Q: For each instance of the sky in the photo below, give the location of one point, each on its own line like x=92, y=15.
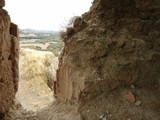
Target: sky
x=45, y=14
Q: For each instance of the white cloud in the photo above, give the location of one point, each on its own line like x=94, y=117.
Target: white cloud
x=45, y=14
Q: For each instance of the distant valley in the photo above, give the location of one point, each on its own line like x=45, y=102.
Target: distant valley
x=42, y=40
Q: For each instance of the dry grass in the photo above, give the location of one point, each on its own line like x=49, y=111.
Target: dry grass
x=37, y=72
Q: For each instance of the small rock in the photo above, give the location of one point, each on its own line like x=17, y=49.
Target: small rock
x=102, y=117
x=133, y=87
x=80, y=40
x=138, y=103
x=129, y=96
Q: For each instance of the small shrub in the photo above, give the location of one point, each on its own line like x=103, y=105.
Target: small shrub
x=62, y=35
x=70, y=31
x=69, y=27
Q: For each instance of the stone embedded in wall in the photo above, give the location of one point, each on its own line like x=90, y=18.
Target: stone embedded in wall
x=2, y=3
x=14, y=30
x=8, y=61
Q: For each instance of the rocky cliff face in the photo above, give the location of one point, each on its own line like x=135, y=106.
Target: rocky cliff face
x=115, y=45
x=8, y=60
x=111, y=61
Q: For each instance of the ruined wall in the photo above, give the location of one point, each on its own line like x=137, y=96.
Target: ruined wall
x=8, y=60
x=114, y=45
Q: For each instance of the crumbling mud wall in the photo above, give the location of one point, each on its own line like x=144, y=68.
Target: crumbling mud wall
x=8, y=60
x=115, y=44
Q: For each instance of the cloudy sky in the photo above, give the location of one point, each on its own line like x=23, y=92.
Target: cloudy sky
x=45, y=14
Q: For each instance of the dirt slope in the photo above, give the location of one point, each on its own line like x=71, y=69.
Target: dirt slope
x=37, y=74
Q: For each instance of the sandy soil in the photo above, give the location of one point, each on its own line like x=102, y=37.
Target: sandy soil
x=33, y=92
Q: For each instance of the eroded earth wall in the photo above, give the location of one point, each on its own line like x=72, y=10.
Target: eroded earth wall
x=8, y=60
x=116, y=44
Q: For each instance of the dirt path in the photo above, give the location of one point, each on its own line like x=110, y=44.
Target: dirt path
x=35, y=74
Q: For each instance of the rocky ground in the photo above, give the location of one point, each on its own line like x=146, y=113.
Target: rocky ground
x=123, y=104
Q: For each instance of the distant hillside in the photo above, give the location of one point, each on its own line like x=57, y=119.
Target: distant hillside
x=27, y=34
x=28, y=30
